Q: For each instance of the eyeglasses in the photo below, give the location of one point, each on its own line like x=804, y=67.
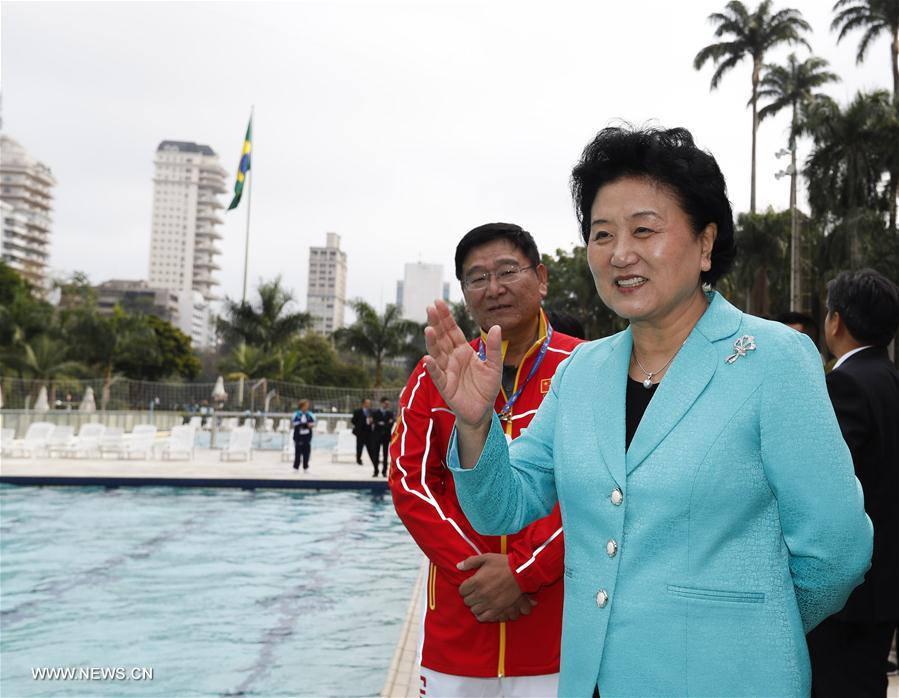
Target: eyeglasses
x=506, y=276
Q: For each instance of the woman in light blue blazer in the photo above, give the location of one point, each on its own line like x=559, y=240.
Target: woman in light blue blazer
x=711, y=512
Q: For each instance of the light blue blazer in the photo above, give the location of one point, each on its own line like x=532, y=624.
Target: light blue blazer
x=696, y=561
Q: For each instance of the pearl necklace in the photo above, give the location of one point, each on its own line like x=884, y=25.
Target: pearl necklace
x=647, y=383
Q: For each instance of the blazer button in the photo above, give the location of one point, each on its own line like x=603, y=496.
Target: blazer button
x=611, y=548
x=617, y=497
x=602, y=598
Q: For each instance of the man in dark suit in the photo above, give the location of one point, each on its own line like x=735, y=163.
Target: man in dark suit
x=363, y=421
x=849, y=650
x=383, y=427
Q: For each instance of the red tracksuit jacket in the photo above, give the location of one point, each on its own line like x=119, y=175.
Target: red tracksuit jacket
x=424, y=496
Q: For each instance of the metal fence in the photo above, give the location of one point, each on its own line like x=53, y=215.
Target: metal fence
x=122, y=394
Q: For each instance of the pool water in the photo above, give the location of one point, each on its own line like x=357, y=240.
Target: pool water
x=218, y=592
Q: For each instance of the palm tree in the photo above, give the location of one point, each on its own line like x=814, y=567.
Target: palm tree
x=376, y=336
x=876, y=17
x=848, y=159
x=44, y=359
x=750, y=35
x=761, y=239
x=792, y=86
x=267, y=324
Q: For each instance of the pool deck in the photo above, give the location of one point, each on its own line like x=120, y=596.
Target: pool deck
x=264, y=470
x=403, y=677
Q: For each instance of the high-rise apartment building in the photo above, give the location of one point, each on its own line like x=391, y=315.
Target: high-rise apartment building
x=183, y=251
x=26, y=192
x=326, y=289
x=421, y=285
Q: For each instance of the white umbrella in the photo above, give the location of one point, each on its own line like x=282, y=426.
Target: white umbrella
x=41, y=404
x=88, y=404
x=218, y=392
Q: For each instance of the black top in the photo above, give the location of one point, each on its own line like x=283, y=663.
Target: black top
x=635, y=404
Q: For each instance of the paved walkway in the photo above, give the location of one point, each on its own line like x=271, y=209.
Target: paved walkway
x=403, y=675
x=265, y=469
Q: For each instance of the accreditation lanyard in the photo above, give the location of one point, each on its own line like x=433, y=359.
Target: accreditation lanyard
x=506, y=411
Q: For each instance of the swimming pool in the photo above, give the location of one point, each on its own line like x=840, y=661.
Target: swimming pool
x=218, y=592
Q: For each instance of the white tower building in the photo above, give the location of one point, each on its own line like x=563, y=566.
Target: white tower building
x=183, y=251
x=421, y=285
x=326, y=288
x=26, y=192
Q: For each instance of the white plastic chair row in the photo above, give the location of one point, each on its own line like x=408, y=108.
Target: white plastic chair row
x=240, y=445
x=92, y=440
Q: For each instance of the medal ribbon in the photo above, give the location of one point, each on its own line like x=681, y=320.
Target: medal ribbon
x=482, y=355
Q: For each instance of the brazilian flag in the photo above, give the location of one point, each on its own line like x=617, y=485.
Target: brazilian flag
x=244, y=166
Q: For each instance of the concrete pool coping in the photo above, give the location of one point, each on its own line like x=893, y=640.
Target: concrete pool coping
x=264, y=470
x=403, y=677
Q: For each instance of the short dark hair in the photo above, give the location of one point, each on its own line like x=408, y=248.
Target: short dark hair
x=792, y=317
x=489, y=232
x=670, y=158
x=566, y=323
x=868, y=304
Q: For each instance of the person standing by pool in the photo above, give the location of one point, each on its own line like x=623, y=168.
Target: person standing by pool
x=383, y=427
x=303, y=421
x=362, y=429
x=483, y=633
x=712, y=516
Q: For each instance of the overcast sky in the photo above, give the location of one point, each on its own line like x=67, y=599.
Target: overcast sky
x=398, y=125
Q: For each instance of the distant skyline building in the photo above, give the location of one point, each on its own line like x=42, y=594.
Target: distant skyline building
x=421, y=285
x=137, y=296
x=326, y=287
x=26, y=191
x=187, y=180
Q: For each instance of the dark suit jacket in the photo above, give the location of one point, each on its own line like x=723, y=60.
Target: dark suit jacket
x=361, y=427
x=865, y=395
x=383, y=423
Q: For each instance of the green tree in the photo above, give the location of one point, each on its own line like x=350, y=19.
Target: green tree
x=793, y=86
x=463, y=319
x=22, y=315
x=762, y=240
x=167, y=353
x=572, y=290
x=246, y=361
x=317, y=363
x=849, y=158
x=45, y=360
x=376, y=337
x=268, y=324
x=875, y=17
x=750, y=35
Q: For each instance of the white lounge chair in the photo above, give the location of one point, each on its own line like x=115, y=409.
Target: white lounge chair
x=240, y=445
x=112, y=440
x=228, y=424
x=61, y=439
x=250, y=422
x=339, y=426
x=7, y=436
x=287, y=452
x=179, y=445
x=138, y=443
x=196, y=423
x=36, y=439
x=321, y=426
x=268, y=425
x=283, y=425
x=87, y=443
x=346, y=446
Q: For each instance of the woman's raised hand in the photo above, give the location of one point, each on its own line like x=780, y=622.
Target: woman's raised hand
x=468, y=385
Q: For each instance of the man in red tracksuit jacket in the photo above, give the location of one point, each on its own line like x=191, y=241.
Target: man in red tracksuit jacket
x=493, y=612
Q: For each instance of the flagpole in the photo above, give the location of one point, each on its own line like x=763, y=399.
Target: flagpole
x=246, y=249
